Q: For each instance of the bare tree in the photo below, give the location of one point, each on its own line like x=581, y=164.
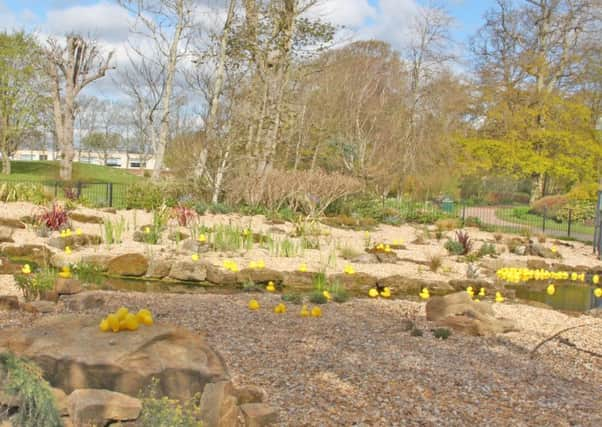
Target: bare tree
x=165, y=24
x=71, y=68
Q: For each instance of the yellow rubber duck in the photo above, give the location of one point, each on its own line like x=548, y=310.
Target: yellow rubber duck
x=303, y=268
x=26, y=269
x=327, y=295
x=270, y=287
x=131, y=322
x=387, y=248
x=280, y=309
x=470, y=291
x=386, y=293
x=554, y=249
x=253, y=305
x=195, y=257
x=121, y=313
x=349, y=269
x=304, y=311
x=373, y=293
x=146, y=230
x=573, y=276
x=79, y=232
x=424, y=294
x=113, y=322
x=202, y=238
x=316, y=312
x=260, y=264
x=482, y=292
x=581, y=277
x=67, y=250
x=551, y=289
x=598, y=292
x=498, y=297
x=104, y=325
x=65, y=272
x=252, y=265
x=145, y=317
x=595, y=279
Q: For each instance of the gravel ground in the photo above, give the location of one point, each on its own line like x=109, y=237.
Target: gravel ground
x=357, y=365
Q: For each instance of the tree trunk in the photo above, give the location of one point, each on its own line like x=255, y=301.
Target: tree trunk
x=5, y=162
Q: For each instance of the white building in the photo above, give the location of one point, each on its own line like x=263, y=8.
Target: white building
x=116, y=159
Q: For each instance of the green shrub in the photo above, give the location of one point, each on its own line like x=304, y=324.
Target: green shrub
x=164, y=412
x=434, y=262
x=441, y=333
x=23, y=192
x=23, y=380
x=113, y=231
x=220, y=208
x=317, y=297
x=339, y=293
x=454, y=247
x=551, y=205
x=145, y=195
x=487, y=249
x=32, y=285
x=293, y=298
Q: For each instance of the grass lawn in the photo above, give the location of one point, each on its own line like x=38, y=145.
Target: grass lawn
x=535, y=221
x=49, y=171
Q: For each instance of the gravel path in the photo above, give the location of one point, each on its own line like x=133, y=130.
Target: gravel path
x=357, y=365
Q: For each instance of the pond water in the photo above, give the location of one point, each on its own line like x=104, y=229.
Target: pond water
x=568, y=296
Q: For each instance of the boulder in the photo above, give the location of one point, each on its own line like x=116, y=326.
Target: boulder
x=64, y=286
x=188, y=271
x=460, y=312
x=32, y=252
x=537, y=264
x=249, y=394
x=365, y=258
x=258, y=275
x=410, y=285
x=542, y=251
x=259, y=414
x=220, y=276
x=60, y=397
x=9, y=302
x=50, y=295
x=85, y=217
x=41, y=306
x=12, y=223
x=128, y=265
x=6, y=234
x=476, y=284
x=298, y=279
x=74, y=241
x=8, y=267
x=354, y=281
x=177, y=236
x=84, y=301
x=193, y=245
x=99, y=407
x=218, y=406
x=101, y=261
x=158, y=268
x=73, y=354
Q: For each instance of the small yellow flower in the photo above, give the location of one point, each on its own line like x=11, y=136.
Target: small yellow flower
x=195, y=257
x=26, y=269
x=146, y=230
x=349, y=269
x=202, y=238
x=246, y=232
x=79, y=232
x=327, y=295
x=303, y=268
x=67, y=250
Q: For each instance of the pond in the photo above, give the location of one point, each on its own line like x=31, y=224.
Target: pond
x=568, y=296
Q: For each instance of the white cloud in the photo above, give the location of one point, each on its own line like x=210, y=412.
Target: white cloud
x=348, y=13
x=106, y=21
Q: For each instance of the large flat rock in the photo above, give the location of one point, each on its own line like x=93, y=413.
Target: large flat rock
x=73, y=354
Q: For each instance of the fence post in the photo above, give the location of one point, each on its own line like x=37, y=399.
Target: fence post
x=79, y=189
x=543, y=224
x=56, y=189
x=463, y=213
x=570, y=220
x=110, y=194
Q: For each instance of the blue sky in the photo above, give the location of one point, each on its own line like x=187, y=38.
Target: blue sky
x=468, y=13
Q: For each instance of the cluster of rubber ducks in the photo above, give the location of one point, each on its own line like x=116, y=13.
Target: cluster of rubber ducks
x=518, y=275
x=123, y=320
x=66, y=232
x=382, y=247
x=257, y=265
x=384, y=292
x=499, y=298
x=231, y=265
x=281, y=309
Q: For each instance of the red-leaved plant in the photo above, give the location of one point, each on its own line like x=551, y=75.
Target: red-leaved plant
x=183, y=215
x=53, y=218
x=464, y=240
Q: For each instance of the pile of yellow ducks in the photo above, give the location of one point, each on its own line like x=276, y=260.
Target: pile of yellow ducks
x=231, y=265
x=381, y=247
x=281, y=309
x=518, y=275
x=257, y=265
x=385, y=293
x=123, y=320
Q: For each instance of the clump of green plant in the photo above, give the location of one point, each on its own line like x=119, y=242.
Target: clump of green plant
x=434, y=262
x=113, y=231
x=285, y=248
x=461, y=245
x=226, y=237
x=487, y=249
x=33, y=284
x=152, y=233
x=348, y=253
x=23, y=380
x=338, y=292
x=441, y=333
x=27, y=192
x=318, y=297
x=165, y=412
x=88, y=273
x=311, y=242
x=293, y=298
x=251, y=286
